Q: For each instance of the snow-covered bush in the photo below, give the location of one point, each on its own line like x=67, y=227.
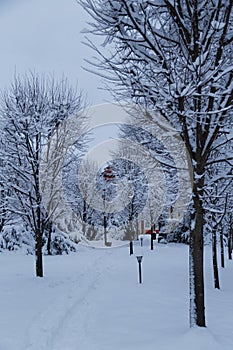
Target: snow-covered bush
x=16, y=237
x=59, y=244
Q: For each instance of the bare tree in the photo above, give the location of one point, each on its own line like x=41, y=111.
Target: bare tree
x=81, y=193
x=217, y=201
x=31, y=110
x=174, y=57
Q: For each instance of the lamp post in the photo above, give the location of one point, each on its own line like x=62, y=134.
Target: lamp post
x=139, y=259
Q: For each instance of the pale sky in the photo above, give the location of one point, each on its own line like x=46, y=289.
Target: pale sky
x=45, y=36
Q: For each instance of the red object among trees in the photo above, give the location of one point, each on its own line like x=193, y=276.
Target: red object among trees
x=152, y=233
x=148, y=232
x=108, y=173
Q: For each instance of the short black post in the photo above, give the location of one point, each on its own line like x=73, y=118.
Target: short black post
x=151, y=242
x=140, y=273
x=130, y=247
x=141, y=239
x=139, y=259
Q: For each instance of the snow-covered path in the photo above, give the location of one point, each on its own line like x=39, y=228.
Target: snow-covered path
x=92, y=301
x=49, y=327
x=35, y=309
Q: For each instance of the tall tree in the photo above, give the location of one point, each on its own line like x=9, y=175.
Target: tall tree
x=80, y=191
x=31, y=109
x=174, y=56
x=217, y=190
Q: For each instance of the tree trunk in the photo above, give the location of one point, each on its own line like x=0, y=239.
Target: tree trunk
x=39, y=224
x=39, y=257
x=196, y=277
x=222, y=248
x=105, y=230
x=50, y=226
x=137, y=229
x=229, y=245
x=215, y=259
x=84, y=218
x=231, y=234
x=131, y=248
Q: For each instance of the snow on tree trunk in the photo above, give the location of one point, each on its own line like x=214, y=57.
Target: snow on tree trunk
x=215, y=258
x=197, y=299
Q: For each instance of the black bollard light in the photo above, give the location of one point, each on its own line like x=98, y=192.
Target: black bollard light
x=139, y=259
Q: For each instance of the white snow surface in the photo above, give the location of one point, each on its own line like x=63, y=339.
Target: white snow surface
x=91, y=300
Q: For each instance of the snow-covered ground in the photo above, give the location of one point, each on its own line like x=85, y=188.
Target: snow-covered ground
x=91, y=300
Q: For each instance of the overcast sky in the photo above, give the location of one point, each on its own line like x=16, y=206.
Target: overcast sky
x=45, y=36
